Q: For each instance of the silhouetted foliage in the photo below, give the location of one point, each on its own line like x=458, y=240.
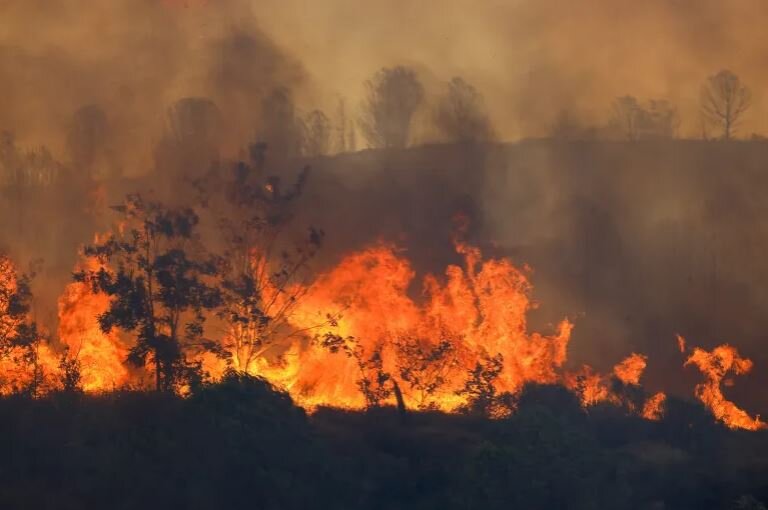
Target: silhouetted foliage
x=393, y=95
x=19, y=337
x=424, y=367
x=261, y=273
x=70, y=373
x=724, y=100
x=157, y=288
x=375, y=383
x=480, y=392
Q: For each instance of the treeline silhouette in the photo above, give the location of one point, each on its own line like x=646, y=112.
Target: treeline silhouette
x=240, y=442
x=395, y=102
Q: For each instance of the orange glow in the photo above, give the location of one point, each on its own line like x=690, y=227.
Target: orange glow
x=631, y=369
x=653, y=409
x=102, y=356
x=474, y=311
x=715, y=365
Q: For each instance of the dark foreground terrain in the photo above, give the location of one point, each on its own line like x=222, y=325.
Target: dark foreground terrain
x=241, y=444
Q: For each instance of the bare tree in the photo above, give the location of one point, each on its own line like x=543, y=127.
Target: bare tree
x=461, y=114
x=724, y=99
x=393, y=97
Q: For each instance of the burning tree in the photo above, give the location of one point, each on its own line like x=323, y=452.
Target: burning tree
x=19, y=337
x=425, y=367
x=261, y=276
x=393, y=97
x=374, y=382
x=158, y=290
x=482, y=396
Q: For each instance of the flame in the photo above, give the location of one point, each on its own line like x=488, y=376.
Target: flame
x=20, y=368
x=101, y=356
x=479, y=309
x=653, y=409
x=593, y=387
x=715, y=365
x=631, y=369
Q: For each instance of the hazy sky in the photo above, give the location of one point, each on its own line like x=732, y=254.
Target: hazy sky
x=531, y=59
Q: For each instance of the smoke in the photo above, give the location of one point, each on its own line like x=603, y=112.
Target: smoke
x=134, y=59
x=532, y=59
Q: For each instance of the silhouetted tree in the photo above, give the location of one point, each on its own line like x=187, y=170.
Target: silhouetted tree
x=16, y=328
x=480, y=392
x=393, y=96
x=19, y=337
x=317, y=133
x=724, y=99
x=157, y=288
x=375, y=383
x=70, y=376
x=425, y=367
x=261, y=274
x=461, y=115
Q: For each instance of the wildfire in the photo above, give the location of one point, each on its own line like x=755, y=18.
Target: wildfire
x=715, y=365
x=22, y=365
x=631, y=369
x=101, y=356
x=428, y=346
x=361, y=336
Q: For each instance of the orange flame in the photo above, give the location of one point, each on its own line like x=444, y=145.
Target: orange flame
x=631, y=369
x=101, y=355
x=653, y=409
x=715, y=365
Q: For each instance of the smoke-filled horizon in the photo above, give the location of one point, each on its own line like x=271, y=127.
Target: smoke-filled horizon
x=532, y=61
